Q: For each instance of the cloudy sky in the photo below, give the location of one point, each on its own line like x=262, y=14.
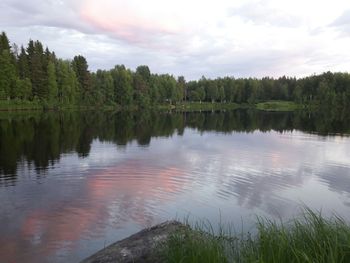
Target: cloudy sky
x=238, y=38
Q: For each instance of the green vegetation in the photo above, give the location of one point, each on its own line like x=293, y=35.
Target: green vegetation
x=201, y=106
x=278, y=106
x=35, y=74
x=20, y=105
x=310, y=238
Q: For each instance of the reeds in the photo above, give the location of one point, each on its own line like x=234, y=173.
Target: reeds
x=308, y=238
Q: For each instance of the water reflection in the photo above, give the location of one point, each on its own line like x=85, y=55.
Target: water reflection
x=71, y=183
x=41, y=139
x=337, y=178
x=105, y=196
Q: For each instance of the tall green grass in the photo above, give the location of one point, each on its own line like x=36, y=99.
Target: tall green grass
x=14, y=105
x=277, y=105
x=308, y=238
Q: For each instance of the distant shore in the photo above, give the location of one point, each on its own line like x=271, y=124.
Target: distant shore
x=9, y=106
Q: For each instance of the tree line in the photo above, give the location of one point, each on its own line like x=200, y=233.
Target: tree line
x=34, y=73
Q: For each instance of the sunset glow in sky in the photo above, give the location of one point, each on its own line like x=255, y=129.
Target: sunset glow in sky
x=191, y=38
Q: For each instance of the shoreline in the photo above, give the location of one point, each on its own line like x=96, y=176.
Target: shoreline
x=287, y=106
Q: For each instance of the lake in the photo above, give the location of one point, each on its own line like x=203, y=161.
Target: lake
x=72, y=183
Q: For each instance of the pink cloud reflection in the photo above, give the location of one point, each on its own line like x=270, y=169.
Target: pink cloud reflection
x=119, y=193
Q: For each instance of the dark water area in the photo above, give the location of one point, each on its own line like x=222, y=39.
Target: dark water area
x=74, y=182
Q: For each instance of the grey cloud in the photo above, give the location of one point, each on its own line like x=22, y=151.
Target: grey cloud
x=103, y=51
x=261, y=13
x=342, y=23
x=344, y=19
x=59, y=26
x=66, y=15
x=15, y=13
x=248, y=63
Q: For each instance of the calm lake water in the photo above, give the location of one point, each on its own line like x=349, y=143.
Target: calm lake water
x=72, y=183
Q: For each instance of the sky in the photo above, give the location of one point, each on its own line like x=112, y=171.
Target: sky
x=240, y=38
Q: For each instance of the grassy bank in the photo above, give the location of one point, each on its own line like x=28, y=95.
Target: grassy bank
x=207, y=106
x=202, y=106
x=23, y=105
x=19, y=105
x=310, y=238
x=277, y=105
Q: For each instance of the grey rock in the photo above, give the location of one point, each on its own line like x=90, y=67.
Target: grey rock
x=142, y=247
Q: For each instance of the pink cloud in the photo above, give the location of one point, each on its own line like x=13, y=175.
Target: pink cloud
x=125, y=23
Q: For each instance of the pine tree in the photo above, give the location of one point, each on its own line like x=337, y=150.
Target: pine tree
x=80, y=67
x=4, y=42
x=7, y=68
x=73, y=85
x=7, y=74
x=51, y=82
x=22, y=64
x=142, y=83
x=181, y=88
x=36, y=68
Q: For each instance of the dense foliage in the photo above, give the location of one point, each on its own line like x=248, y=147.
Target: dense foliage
x=36, y=74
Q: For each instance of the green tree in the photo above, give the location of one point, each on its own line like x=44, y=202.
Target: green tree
x=38, y=75
x=22, y=89
x=253, y=91
x=7, y=74
x=211, y=90
x=4, y=42
x=181, y=88
x=200, y=93
x=142, y=98
x=229, y=88
x=104, y=87
x=168, y=86
x=22, y=64
x=283, y=92
x=52, y=82
x=123, y=85
x=144, y=72
x=156, y=96
x=67, y=83
x=298, y=94
x=221, y=93
x=239, y=90
x=80, y=67
x=141, y=84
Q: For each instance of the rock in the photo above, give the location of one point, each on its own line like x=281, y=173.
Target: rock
x=138, y=248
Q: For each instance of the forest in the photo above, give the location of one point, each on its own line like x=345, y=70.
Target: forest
x=35, y=74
